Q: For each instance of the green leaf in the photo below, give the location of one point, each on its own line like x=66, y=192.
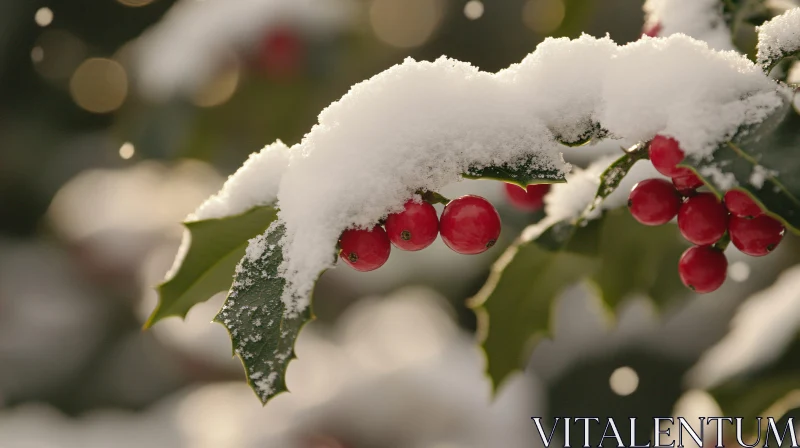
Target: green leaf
x=771, y=156
x=637, y=259
x=515, y=304
x=615, y=173
x=217, y=245
x=617, y=253
x=263, y=334
x=522, y=174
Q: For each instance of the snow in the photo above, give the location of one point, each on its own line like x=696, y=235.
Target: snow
x=568, y=201
x=779, y=37
x=196, y=38
x=420, y=125
x=255, y=183
x=679, y=87
x=760, y=174
x=761, y=330
x=700, y=19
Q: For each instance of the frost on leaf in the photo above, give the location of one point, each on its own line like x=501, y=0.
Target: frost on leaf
x=262, y=332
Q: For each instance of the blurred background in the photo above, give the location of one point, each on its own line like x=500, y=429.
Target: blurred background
x=119, y=117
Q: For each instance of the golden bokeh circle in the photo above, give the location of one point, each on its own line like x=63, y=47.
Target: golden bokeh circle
x=99, y=85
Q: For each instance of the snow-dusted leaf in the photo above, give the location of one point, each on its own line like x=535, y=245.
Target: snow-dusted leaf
x=763, y=164
x=263, y=333
x=216, y=246
x=779, y=39
x=522, y=174
x=620, y=255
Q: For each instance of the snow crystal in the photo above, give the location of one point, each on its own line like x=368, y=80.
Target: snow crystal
x=255, y=183
x=419, y=125
x=700, y=19
x=779, y=36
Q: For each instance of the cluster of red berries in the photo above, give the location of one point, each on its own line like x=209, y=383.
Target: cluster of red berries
x=468, y=225
x=702, y=218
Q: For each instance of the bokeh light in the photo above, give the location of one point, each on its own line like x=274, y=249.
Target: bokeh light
x=473, y=10
x=99, y=85
x=543, y=16
x=405, y=23
x=37, y=54
x=739, y=271
x=59, y=54
x=43, y=16
x=624, y=381
x=220, y=88
x=127, y=150
x=135, y=3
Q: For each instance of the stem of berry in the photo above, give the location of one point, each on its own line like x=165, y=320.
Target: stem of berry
x=433, y=197
x=723, y=242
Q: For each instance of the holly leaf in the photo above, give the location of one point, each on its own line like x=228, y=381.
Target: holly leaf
x=216, y=247
x=523, y=174
x=618, y=254
x=514, y=305
x=262, y=331
x=637, y=259
x=763, y=164
x=615, y=173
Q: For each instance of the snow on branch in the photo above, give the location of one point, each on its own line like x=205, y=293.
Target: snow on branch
x=421, y=125
x=779, y=38
x=255, y=183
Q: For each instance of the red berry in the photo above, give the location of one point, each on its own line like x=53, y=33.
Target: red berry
x=415, y=227
x=528, y=199
x=757, y=236
x=665, y=154
x=281, y=53
x=653, y=202
x=687, y=182
x=651, y=30
x=365, y=250
x=702, y=219
x=469, y=225
x=703, y=268
x=742, y=205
